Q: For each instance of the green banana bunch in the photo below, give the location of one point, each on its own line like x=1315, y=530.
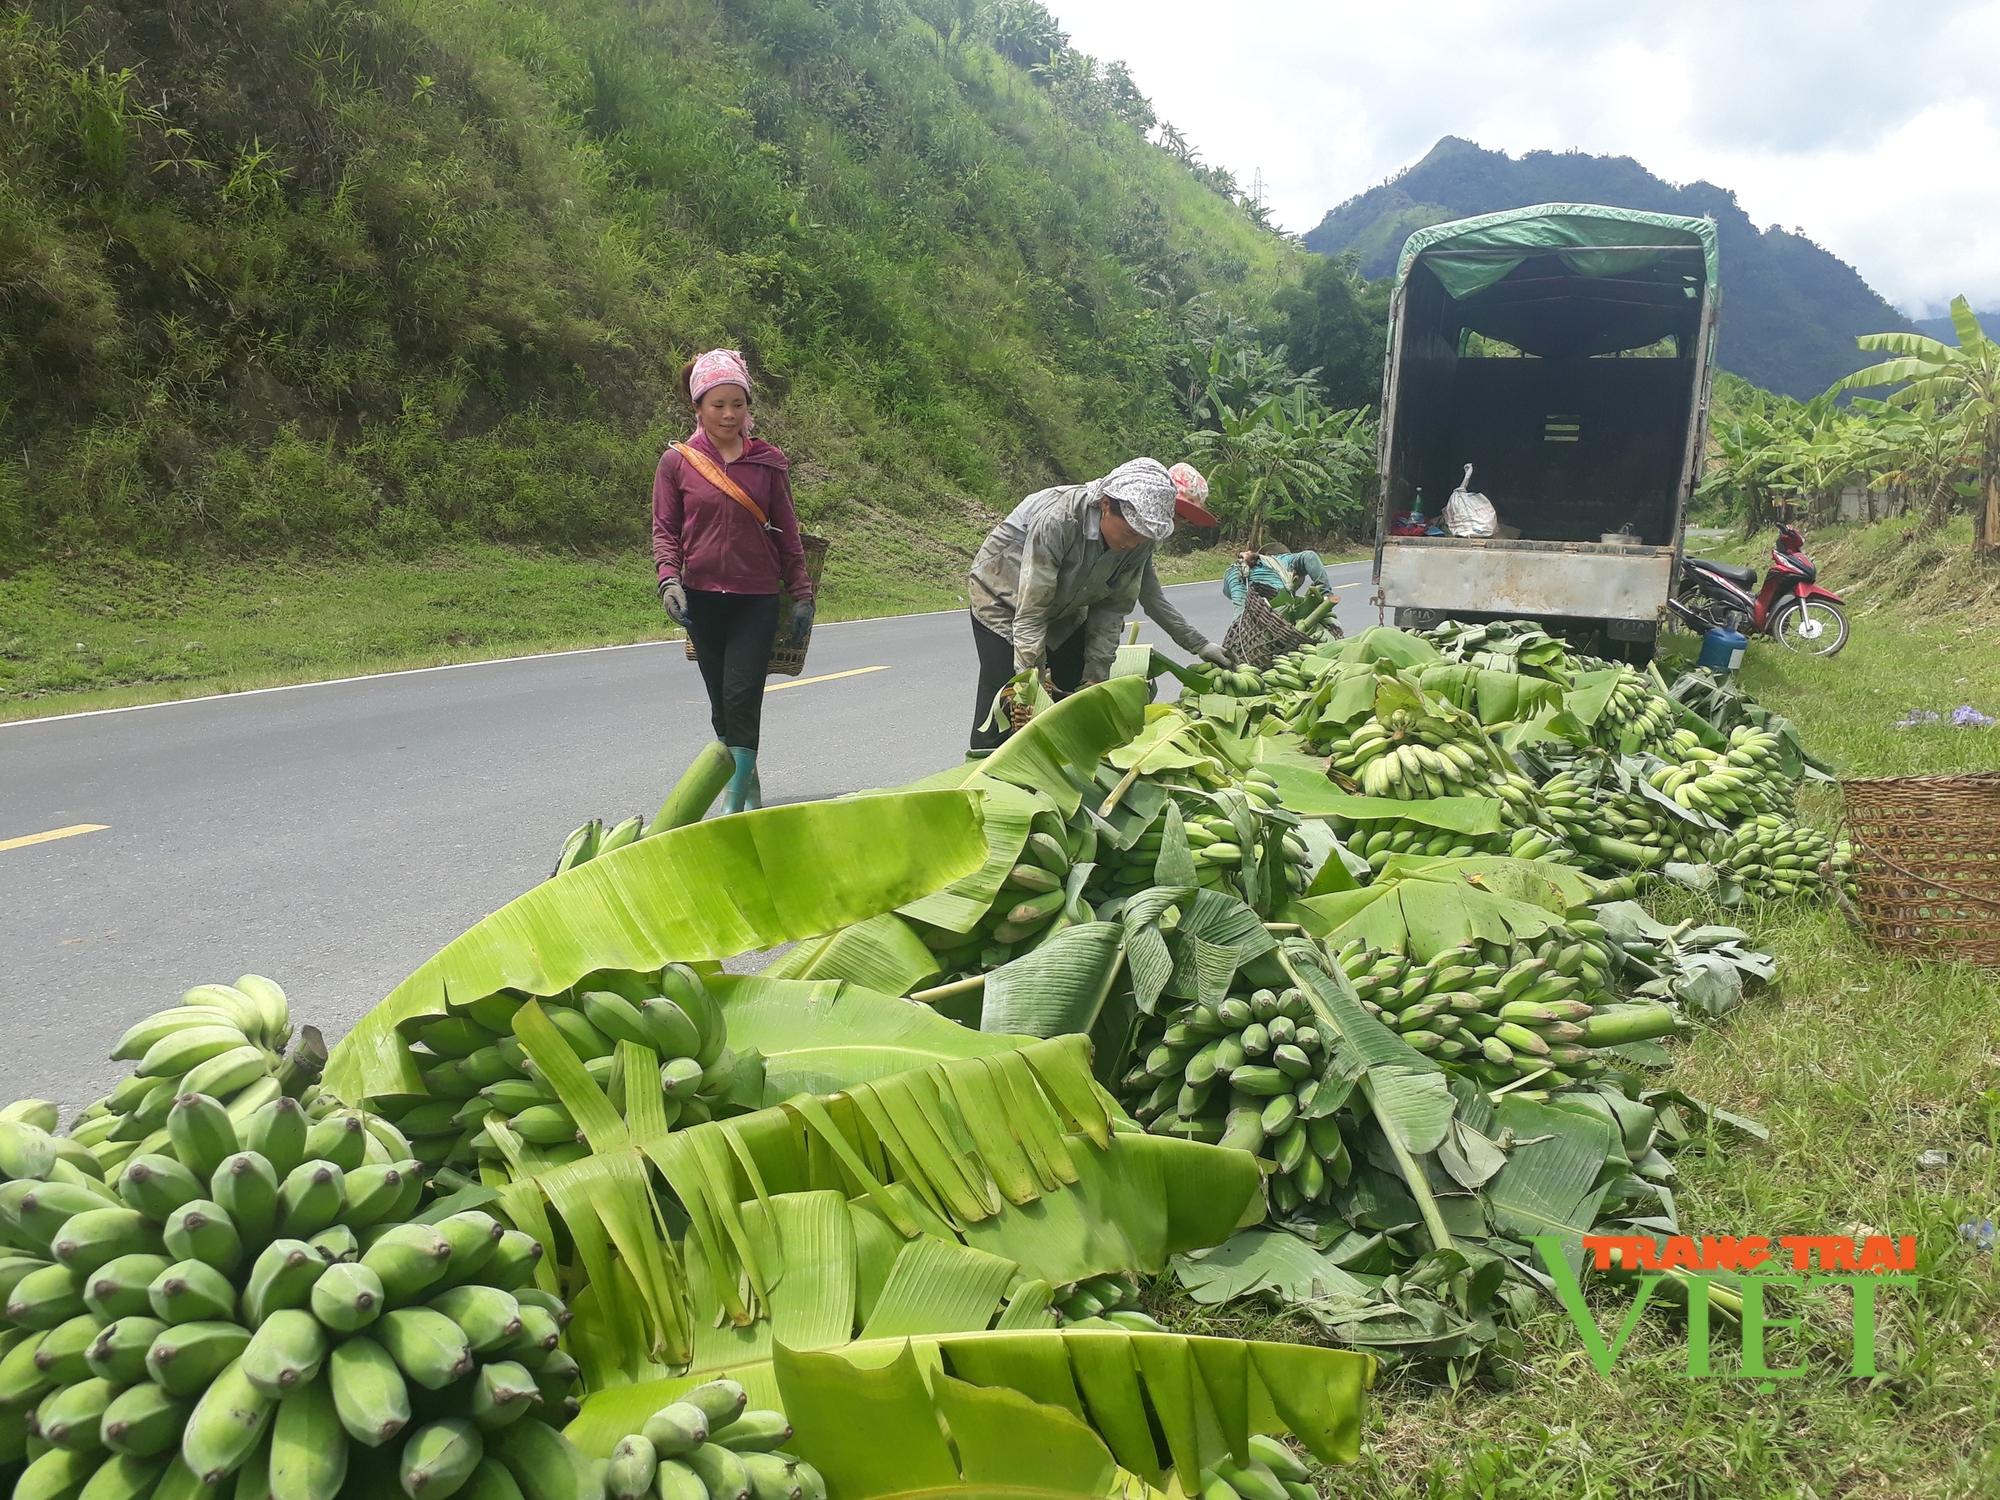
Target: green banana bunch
x=1249, y=1072
x=1106, y=1301
x=490, y=1102
x=593, y=838
x=1411, y=757
x=709, y=1445
x=222, y=1042
x=1510, y=1015
x=1772, y=858
x=159, y=1341
x=1378, y=840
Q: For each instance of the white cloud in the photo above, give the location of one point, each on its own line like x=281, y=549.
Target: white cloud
x=1874, y=128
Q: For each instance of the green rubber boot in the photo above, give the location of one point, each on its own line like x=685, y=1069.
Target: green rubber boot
x=744, y=793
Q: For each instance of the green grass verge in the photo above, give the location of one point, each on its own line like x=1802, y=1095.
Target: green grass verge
x=1857, y=1065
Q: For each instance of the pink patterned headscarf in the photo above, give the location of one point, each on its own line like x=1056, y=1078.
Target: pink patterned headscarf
x=720, y=367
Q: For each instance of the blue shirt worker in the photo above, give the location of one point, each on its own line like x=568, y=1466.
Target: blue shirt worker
x=1275, y=572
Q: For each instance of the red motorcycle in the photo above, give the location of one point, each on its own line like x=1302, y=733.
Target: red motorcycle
x=1791, y=607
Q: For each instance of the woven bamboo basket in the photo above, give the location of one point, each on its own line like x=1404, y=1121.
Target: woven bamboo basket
x=1927, y=864
x=1261, y=635
x=788, y=660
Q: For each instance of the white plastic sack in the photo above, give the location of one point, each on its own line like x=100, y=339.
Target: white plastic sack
x=1467, y=513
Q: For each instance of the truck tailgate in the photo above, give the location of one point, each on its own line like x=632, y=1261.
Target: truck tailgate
x=1532, y=579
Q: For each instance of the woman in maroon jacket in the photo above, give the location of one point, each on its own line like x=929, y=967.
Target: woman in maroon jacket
x=724, y=537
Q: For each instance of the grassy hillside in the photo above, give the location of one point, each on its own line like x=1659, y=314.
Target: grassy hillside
x=1790, y=308
x=345, y=277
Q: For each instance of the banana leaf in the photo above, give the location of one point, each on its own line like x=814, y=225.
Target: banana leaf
x=1383, y=643
x=822, y=1037
x=1014, y=1152
x=1057, y=988
x=1550, y=1183
x=853, y=1270
x=1032, y=1410
x=1009, y=819
x=1316, y=797
x=1494, y=697
x=1075, y=734
x=706, y=891
x=1420, y=905
x=1590, y=694
x=883, y=953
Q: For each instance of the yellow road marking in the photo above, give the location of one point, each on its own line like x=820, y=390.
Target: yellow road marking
x=54, y=833
x=779, y=687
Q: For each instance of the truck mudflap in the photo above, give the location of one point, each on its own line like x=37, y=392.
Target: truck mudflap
x=1531, y=579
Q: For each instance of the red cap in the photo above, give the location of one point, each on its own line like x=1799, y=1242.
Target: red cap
x=1193, y=514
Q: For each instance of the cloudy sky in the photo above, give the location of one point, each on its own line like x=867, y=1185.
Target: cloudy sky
x=1873, y=128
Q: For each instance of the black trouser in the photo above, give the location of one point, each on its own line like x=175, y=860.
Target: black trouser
x=996, y=665
x=732, y=635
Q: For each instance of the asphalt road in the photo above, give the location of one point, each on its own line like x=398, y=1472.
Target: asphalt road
x=334, y=835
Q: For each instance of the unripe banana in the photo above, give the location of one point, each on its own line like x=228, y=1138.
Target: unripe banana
x=674, y=1480
x=759, y=1431
x=47, y=1298
x=721, y=1472
x=273, y=1009
x=58, y=1474
x=227, y=1422
x=502, y=1392
x=119, y=1289
x=311, y=1197
x=226, y=1072
x=513, y=1262
x=119, y=1353
x=546, y=1465
x=191, y=1291
x=99, y=1236
x=248, y=1015
x=632, y=1468
x=144, y=1420
x=308, y=1451
x=489, y=1317
x=676, y=1429
x=772, y=1478
x=440, y=1456
x=157, y=1185
x=71, y=1417
x=142, y=1037
x=347, y=1297
x=203, y=1134
x=369, y=1394
x=188, y=1356
x=285, y=1353
x=277, y=1132
x=341, y=1139
x=407, y=1259
x=337, y=1243
x=283, y=1277
x=427, y=1346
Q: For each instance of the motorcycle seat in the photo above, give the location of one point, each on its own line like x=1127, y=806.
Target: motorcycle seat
x=1731, y=571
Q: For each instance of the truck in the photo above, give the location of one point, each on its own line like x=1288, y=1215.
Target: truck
x=1566, y=352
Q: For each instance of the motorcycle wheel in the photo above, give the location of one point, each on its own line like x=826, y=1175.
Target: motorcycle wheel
x=1812, y=628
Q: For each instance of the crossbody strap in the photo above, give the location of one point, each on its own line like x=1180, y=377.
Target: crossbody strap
x=706, y=467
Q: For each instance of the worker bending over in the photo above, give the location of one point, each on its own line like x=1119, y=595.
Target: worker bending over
x=1053, y=584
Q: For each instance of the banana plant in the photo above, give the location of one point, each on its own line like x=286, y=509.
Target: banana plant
x=705, y=891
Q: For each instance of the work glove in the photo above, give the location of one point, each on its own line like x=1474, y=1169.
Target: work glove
x=675, y=598
x=802, y=622
x=1215, y=655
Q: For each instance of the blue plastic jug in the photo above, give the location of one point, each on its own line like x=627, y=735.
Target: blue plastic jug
x=1722, y=650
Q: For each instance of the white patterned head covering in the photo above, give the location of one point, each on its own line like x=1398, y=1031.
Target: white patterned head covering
x=1145, y=495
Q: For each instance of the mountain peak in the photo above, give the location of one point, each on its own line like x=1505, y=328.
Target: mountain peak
x=1790, y=309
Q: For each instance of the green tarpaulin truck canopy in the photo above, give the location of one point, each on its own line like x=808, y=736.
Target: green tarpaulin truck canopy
x=1629, y=278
